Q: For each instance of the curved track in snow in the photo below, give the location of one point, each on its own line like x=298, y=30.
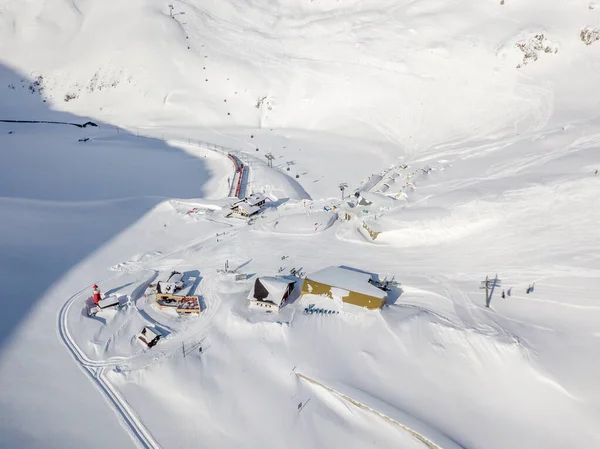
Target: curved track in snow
x=95, y=370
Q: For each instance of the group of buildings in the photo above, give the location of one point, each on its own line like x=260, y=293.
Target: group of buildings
x=170, y=294
x=347, y=284
x=268, y=293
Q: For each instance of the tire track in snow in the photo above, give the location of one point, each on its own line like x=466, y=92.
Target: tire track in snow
x=463, y=307
x=469, y=316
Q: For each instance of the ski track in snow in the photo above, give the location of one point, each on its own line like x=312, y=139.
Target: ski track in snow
x=96, y=368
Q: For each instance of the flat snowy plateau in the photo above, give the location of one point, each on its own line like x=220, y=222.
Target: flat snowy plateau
x=464, y=137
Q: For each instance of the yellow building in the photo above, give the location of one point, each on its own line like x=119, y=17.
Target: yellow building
x=351, y=286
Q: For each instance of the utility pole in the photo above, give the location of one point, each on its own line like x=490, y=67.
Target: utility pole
x=270, y=158
x=343, y=187
x=486, y=284
x=489, y=284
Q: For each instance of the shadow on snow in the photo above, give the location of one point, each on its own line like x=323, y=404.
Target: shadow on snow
x=62, y=198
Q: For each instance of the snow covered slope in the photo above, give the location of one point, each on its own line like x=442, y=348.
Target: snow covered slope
x=392, y=69
x=474, y=128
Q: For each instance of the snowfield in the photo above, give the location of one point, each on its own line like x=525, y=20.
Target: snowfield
x=430, y=142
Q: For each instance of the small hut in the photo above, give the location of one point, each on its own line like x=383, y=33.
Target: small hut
x=270, y=293
x=148, y=337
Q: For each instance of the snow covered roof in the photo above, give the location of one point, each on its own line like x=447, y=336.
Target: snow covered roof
x=108, y=301
x=275, y=289
x=175, y=277
x=378, y=199
x=247, y=208
x=347, y=279
x=255, y=198
x=372, y=181
x=146, y=335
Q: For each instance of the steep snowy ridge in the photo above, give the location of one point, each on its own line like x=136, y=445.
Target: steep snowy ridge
x=391, y=69
x=471, y=128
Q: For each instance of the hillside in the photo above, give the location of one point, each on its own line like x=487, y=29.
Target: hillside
x=467, y=137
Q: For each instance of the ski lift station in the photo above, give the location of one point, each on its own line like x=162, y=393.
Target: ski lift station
x=270, y=293
x=349, y=285
x=249, y=206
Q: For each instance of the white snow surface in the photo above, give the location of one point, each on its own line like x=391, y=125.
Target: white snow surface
x=291, y=220
x=474, y=125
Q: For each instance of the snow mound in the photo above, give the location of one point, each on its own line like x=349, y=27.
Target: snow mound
x=135, y=263
x=275, y=183
x=378, y=200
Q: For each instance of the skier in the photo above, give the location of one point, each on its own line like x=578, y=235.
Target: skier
x=503, y=295
x=96, y=293
x=528, y=289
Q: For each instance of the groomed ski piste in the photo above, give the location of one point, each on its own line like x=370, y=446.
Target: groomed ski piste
x=428, y=143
